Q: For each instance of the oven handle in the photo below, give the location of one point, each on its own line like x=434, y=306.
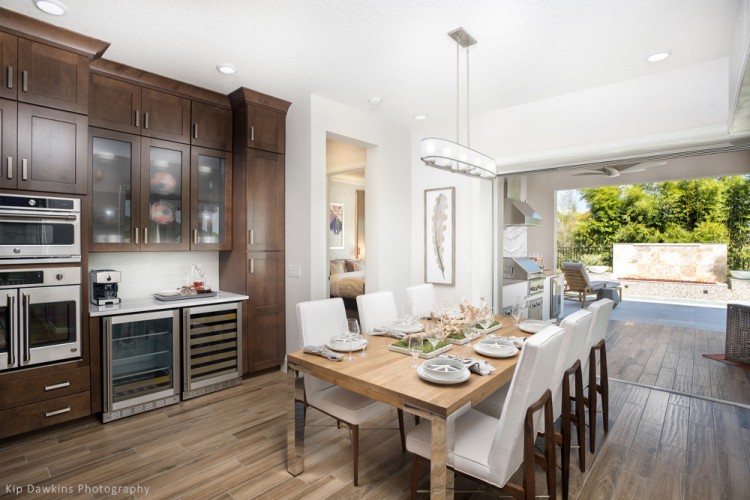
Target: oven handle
x=12, y=324
x=27, y=340
x=37, y=217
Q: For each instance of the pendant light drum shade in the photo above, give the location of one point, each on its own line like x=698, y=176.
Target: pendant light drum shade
x=448, y=155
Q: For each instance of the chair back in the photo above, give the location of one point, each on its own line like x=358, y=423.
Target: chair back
x=602, y=311
x=532, y=377
x=576, y=276
x=376, y=309
x=576, y=327
x=422, y=298
x=318, y=321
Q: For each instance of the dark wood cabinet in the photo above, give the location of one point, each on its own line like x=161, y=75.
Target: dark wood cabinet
x=8, y=65
x=52, y=77
x=43, y=149
x=258, y=225
x=212, y=126
x=210, y=199
x=120, y=105
x=266, y=309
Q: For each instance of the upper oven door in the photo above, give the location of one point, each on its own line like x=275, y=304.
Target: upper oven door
x=29, y=237
x=50, y=325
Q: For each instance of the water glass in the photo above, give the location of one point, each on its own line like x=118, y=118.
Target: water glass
x=415, y=342
x=351, y=333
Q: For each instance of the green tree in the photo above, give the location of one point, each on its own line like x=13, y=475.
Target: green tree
x=737, y=203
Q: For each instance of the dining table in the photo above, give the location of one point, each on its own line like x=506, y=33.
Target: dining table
x=385, y=375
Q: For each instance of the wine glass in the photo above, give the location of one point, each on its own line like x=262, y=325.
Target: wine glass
x=516, y=312
x=351, y=332
x=432, y=332
x=485, y=320
x=415, y=342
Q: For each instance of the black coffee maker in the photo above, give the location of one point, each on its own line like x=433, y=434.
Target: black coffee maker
x=103, y=287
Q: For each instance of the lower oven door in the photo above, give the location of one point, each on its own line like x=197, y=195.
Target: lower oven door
x=50, y=324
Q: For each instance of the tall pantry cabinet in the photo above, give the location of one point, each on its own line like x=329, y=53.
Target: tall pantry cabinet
x=255, y=265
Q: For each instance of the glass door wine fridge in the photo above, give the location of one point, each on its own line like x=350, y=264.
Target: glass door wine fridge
x=213, y=346
x=141, y=354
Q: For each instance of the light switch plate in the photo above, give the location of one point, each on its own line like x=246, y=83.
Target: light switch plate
x=294, y=271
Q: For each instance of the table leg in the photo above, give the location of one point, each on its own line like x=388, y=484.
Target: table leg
x=440, y=477
x=295, y=427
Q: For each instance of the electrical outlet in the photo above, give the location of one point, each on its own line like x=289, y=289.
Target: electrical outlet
x=294, y=271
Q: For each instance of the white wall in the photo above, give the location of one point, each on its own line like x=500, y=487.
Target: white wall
x=387, y=204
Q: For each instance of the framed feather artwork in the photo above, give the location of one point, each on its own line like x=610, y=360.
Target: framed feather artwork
x=439, y=236
x=336, y=226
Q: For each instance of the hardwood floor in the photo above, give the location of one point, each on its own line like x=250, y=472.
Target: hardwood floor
x=231, y=444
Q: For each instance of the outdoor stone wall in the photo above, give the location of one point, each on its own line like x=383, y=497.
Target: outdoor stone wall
x=687, y=262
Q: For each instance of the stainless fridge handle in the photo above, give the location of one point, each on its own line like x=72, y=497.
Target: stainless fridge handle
x=12, y=313
x=107, y=372
x=186, y=371
x=27, y=340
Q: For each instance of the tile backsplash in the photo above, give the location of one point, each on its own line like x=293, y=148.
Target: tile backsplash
x=144, y=273
x=515, y=241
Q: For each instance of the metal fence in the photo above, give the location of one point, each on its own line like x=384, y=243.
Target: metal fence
x=584, y=254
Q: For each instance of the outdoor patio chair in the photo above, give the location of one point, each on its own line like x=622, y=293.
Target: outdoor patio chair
x=578, y=285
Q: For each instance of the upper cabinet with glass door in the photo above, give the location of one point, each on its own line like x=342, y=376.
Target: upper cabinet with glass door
x=210, y=199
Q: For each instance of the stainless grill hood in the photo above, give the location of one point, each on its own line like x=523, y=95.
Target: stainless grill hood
x=517, y=212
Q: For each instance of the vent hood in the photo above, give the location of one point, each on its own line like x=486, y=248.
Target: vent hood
x=518, y=212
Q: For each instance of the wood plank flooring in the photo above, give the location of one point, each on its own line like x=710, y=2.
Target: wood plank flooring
x=231, y=444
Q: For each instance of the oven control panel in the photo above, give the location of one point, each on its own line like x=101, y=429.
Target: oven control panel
x=15, y=278
x=50, y=276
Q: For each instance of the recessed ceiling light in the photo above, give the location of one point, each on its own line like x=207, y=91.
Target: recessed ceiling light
x=53, y=7
x=658, y=56
x=420, y=117
x=226, y=69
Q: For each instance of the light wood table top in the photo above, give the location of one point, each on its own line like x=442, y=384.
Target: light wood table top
x=385, y=376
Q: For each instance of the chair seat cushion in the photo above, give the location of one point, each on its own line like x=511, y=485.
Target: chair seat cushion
x=475, y=433
x=596, y=285
x=346, y=405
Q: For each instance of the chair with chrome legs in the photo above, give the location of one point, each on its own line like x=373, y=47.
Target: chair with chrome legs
x=318, y=321
x=491, y=449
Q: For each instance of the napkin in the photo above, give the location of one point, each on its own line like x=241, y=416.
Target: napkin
x=323, y=351
x=387, y=332
x=478, y=366
x=517, y=341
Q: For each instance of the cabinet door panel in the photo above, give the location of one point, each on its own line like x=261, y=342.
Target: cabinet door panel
x=265, y=201
x=53, y=77
x=210, y=199
x=165, y=116
x=266, y=339
x=212, y=126
x=8, y=157
x=53, y=144
x=9, y=66
x=265, y=129
x=114, y=104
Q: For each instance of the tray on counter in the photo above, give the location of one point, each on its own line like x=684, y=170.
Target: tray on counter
x=167, y=298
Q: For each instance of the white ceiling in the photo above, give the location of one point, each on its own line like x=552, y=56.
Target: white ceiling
x=350, y=50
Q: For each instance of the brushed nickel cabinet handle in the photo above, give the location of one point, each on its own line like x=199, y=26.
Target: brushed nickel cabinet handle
x=252, y=237
x=24, y=169
x=195, y=236
x=145, y=119
x=135, y=233
x=145, y=236
x=137, y=118
x=252, y=266
x=57, y=386
x=252, y=132
x=56, y=412
x=10, y=167
x=25, y=81
x=195, y=131
x=10, y=77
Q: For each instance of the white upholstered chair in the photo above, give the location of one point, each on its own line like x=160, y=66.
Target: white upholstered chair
x=422, y=299
x=572, y=351
x=318, y=321
x=376, y=309
x=602, y=310
x=491, y=449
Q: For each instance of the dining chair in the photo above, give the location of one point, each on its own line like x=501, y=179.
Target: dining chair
x=491, y=449
x=595, y=343
x=318, y=321
x=376, y=309
x=572, y=351
x=422, y=299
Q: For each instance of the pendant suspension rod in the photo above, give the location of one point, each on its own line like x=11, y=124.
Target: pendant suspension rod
x=468, y=111
x=458, y=93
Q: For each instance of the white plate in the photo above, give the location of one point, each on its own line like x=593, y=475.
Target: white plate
x=343, y=345
x=533, y=325
x=168, y=293
x=402, y=327
x=444, y=368
x=495, y=353
x=444, y=381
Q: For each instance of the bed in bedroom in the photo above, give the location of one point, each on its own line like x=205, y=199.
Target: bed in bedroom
x=347, y=280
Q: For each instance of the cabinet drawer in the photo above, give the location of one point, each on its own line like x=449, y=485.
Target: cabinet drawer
x=38, y=415
x=41, y=388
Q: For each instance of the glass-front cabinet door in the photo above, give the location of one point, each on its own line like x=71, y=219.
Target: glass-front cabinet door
x=115, y=171
x=165, y=192
x=210, y=181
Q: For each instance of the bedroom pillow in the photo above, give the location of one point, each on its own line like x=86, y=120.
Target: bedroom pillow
x=355, y=265
x=337, y=266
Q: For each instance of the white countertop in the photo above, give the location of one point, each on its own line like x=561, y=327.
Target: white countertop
x=149, y=303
